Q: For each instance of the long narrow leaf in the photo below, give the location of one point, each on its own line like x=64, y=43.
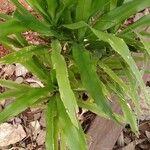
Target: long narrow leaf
x=90, y=79
x=121, y=48
x=127, y=111
x=51, y=124
x=73, y=137
x=120, y=82
x=13, y=85
x=124, y=11
x=10, y=27
x=22, y=55
x=22, y=103
x=144, y=21
x=65, y=90
x=37, y=68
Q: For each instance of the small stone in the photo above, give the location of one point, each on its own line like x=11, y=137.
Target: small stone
x=19, y=80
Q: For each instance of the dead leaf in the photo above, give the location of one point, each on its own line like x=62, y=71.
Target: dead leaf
x=130, y=146
x=41, y=137
x=10, y=134
x=147, y=134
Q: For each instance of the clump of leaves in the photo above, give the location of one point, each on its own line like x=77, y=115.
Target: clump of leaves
x=89, y=53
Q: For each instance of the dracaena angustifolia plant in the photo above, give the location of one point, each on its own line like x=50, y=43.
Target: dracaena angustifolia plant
x=88, y=52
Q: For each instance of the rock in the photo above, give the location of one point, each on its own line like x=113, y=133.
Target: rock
x=10, y=134
x=19, y=80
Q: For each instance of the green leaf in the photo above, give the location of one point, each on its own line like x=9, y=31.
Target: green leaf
x=5, y=16
x=121, y=48
x=21, y=39
x=10, y=27
x=83, y=10
x=98, y=5
x=10, y=44
x=22, y=55
x=13, y=85
x=73, y=136
x=66, y=93
x=146, y=45
x=52, y=5
x=125, y=11
x=76, y=25
x=51, y=126
x=31, y=22
x=142, y=22
x=94, y=108
x=126, y=108
x=39, y=5
x=10, y=94
x=22, y=103
x=122, y=85
x=37, y=68
x=90, y=79
x=113, y=4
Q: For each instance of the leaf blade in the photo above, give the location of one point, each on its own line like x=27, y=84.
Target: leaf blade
x=65, y=90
